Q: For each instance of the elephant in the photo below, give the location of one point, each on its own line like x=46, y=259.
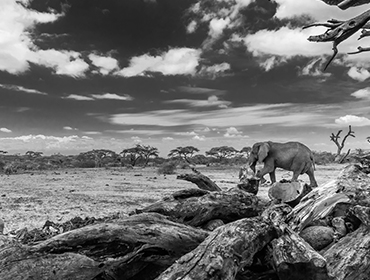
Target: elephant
x=292, y=156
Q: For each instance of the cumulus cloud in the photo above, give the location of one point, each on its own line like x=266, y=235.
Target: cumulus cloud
x=105, y=64
x=362, y=93
x=353, y=120
x=358, y=73
x=63, y=62
x=232, y=132
x=6, y=130
x=199, y=138
x=167, y=139
x=179, y=61
x=21, y=89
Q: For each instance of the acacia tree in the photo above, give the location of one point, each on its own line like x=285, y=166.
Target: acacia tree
x=183, y=152
x=97, y=156
x=340, y=145
x=222, y=152
x=147, y=152
x=133, y=154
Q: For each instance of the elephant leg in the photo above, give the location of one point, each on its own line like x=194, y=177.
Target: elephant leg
x=311, y=175
x=273, y=176
x=266, y=169
x=295, y=176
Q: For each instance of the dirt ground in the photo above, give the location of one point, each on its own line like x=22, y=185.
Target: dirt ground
x=29, y=199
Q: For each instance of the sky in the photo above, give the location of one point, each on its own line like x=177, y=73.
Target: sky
x=77, y=75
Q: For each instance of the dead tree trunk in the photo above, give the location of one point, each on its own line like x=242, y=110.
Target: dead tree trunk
x=139, y=247
x=340, y=145
x=202, y=181
x=225, y=252
x=198, y=210
x=349, y=258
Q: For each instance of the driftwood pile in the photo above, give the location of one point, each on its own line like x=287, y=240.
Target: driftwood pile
x=211, y=233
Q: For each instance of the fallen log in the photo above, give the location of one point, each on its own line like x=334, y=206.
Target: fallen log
x=202, y=181
x=229, y=205
x=349, y=258
x=351, y=188
x=294, y=259
x=225, y=252
x=138, y=247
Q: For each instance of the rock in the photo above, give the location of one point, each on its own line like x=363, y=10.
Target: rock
x=318, y=236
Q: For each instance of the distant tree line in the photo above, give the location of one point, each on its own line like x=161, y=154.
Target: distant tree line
x=141, y=155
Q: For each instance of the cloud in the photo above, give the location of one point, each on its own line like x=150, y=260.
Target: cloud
x=63, y=62
x=114, y=96
x=279, y=114
x=353, y=120
x=314, y=68
x=104, y=63
x=212, y=101
x=358, y=73
x=69, y=128
x=22, y=89
x=6, y=130
x=179, y=61
x=16, y=46
x=199, y=138
x=362, y=93
x=214, y=70
x=78, y=97
x=233, y=132
x=199, y=90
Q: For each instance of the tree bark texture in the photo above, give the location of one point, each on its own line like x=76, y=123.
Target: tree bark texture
x=196, y=211
x=139, y=247
x=351, y=188
x=349, y=258
x=225, y=251
x=202, y=181
x=294, y=259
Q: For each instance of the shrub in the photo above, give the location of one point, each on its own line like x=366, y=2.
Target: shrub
x=167, y=168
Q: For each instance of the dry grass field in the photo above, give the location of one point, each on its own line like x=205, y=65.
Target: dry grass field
x=29, y=199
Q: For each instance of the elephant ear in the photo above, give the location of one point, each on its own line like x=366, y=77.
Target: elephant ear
x=263, y=152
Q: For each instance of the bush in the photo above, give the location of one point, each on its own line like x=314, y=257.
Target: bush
x=167, y=168
x=322, y=158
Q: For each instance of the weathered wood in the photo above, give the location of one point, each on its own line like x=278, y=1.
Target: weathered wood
x=225, y=251
x=352, y=187
x=138, y=247
x=345, y=4
x=295, y=259
x=349, y=258
x=288, y=192
x=228, y=206
x=202, y=181
x=249, y=185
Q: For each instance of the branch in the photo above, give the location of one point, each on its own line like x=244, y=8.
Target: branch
x=360, y=49
x=339, y=31
x=335, y=138
x=350, y=133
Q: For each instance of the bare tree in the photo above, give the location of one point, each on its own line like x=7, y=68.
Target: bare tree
x=340, y=145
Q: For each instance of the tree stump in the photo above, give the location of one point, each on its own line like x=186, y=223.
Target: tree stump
x=288, y=192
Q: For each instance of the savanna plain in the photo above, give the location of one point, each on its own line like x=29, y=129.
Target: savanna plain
x=30, y=199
